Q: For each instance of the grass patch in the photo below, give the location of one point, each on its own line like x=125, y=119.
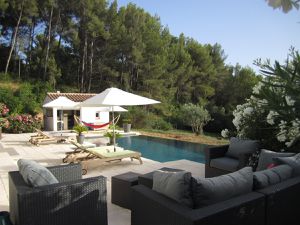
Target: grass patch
x=183, y=135
x=10, y=85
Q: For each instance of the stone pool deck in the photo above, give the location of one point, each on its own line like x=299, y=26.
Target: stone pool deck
x=16, y=146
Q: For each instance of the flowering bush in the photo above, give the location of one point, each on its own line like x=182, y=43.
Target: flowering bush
x=272, y=113
x=3, y=110
x=17, y=123
x=22, y=123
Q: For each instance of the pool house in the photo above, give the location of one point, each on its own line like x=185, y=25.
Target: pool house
x=63, y=117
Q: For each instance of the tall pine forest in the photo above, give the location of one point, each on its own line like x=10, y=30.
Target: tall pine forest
x=90, y=45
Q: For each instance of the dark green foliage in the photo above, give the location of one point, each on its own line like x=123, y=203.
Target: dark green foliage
x=90, y=45
x=26, y=99
x=284, y=5
x=220, y=120
x=272, y=115
x=157, y=123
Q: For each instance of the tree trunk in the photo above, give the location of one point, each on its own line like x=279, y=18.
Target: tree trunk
x=91, y=66
x=19, y=68
x=14, y=37
x=48, y=44
x=83, y=68
x=29, y=50
x=121, y=75
x=14, y=56
x=78, y=74
x=136, y=77
x=59, y=42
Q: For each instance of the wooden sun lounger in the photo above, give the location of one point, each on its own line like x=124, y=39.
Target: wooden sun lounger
x=41, y=138
x=100, y=154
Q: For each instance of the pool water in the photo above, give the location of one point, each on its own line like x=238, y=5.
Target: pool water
x=163, y=150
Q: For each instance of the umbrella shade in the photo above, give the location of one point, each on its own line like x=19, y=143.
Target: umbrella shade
x=109, y=109
x=61, y=102
x=117, y=97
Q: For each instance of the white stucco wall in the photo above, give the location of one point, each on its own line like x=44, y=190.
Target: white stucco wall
x=88, y=114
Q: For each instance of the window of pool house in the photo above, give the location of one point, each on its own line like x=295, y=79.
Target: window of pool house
x=97, y=115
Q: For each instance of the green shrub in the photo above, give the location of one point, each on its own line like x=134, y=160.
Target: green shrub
x=6, y=77
x=139, y=117
x=157, y=123
x=110, y=135
x=80, y=129
x=194, y=116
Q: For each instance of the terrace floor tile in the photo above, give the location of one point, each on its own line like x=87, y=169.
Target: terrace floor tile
x=16, y=146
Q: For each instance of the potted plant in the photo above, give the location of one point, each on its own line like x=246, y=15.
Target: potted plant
x=127, y=125
x=110, y=135
x=80, y=129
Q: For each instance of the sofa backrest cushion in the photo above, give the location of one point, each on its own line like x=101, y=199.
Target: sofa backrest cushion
x=240, y=146
x=175, y=185
x=293, y=161
x=265, y=178
x=266, y=158
x=35, y=174
x=206, y=191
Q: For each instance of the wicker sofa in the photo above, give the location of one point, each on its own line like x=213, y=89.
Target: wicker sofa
x=152, y=208
x=274, y=205
x=73, y=200
x=282, y=202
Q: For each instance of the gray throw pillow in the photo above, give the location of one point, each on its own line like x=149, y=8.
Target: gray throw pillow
x=240, y=146
x=206, y=191
x=264, y=178
x=266, y=158
x=293, y=161
x=175, y=185
x=35, y=174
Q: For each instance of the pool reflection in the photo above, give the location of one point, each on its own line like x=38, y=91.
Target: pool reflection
x=164, y=150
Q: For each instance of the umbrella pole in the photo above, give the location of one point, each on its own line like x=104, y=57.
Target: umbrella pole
x=61, y=121
x=114, y=135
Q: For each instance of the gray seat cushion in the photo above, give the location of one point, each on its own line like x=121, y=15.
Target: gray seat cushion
x=175, y=185
x=225, y=163
x=266, y=158
x=293, y=161
x=35, y=174
x=240, y=147
x=264, y=178
x=208, y=191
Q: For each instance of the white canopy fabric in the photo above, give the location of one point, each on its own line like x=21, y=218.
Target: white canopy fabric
x=61, y=103
x=110, y=109
x=117, y=97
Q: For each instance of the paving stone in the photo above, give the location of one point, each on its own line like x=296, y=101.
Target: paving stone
x=16, y=146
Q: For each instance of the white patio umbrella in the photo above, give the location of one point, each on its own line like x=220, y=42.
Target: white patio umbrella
x=116, y=97
x=109, y=109
x=61, y=103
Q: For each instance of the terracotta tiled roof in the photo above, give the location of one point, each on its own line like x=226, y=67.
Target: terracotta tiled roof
x=76, y=97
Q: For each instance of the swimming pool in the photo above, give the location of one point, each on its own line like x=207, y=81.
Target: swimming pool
x=163, y=150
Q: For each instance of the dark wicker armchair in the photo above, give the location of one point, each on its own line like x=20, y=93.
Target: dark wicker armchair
x=217, y=163
x=229, y=158
x=73, y=200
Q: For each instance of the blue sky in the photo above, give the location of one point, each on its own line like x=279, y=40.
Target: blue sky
x=246, y=29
